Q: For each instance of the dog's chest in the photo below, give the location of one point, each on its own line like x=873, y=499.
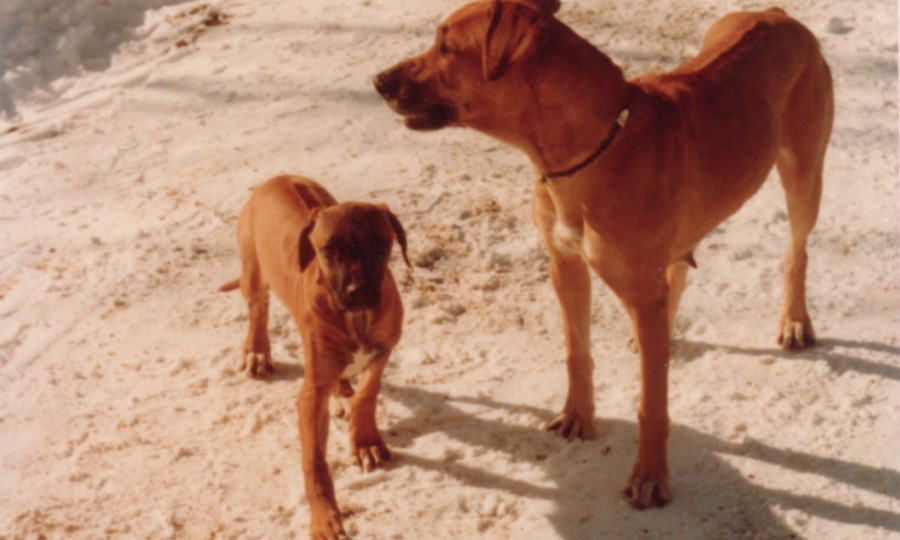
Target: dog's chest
x=570, y=241
x=363, y=353
x=359, y=360
x=567, y=239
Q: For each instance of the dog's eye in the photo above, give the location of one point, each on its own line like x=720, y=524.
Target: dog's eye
x=444, y=49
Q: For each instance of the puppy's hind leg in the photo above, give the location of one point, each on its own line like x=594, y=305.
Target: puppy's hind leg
x=256, y=357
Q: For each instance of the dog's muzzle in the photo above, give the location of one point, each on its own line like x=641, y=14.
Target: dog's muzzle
x=419, y=109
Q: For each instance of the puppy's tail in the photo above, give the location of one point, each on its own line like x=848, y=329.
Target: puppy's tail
x=231, y=285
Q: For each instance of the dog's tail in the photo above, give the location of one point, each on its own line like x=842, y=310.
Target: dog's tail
x=231, y=285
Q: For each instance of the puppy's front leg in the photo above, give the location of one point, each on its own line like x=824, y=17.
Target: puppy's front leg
x=366, y=443
x=312, y=409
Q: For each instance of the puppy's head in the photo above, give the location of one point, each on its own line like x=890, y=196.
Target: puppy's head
x=351, y=243
x=459, y=80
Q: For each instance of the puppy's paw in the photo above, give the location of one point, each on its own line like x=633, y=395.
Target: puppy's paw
x=340, y=400
x=796, y=334
x=647, y=489
x=371, y=454
x=326, y=525
x=257, y=364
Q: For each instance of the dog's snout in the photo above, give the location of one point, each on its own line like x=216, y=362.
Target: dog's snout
x=387, y=83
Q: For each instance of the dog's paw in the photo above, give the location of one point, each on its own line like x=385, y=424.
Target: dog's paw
x=257, y=364
x=326, y=525
x=572, y=424
x=647, y=489
x=371, y=454
x=796, y=334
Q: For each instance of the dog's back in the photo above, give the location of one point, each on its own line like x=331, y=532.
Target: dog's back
x=274, y=215
x=761, y=85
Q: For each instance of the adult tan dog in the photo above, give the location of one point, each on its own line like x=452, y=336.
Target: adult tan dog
x=633, y=174
x=328, y=264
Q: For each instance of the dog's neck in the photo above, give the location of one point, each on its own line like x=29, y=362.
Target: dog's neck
x=578, y=95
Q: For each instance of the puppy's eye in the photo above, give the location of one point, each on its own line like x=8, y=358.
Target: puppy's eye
x=378, y=254
x=331, y=250
x=444, y=49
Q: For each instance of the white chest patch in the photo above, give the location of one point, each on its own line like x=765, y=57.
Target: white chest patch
x=566, y=239
x=359, y=360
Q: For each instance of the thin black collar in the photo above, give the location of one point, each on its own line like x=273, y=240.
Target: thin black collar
x=617, y=126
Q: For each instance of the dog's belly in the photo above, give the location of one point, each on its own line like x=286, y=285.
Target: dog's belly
x=359, y=360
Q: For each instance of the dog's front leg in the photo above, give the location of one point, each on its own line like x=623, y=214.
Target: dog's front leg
x=366, y=443
x=649, y=482
x=312, y=409
x=572, y=282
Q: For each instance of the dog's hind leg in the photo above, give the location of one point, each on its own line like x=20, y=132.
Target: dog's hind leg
x=806, y=128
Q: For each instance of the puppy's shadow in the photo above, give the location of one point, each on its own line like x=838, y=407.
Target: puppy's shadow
x=583, y=479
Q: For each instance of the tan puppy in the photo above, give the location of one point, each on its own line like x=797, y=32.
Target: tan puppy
x=328, y=264
x=633, y=174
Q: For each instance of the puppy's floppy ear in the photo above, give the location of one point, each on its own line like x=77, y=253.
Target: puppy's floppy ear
x=512, y=33
x=399, y=233
x=306, y=250
x=548, y=7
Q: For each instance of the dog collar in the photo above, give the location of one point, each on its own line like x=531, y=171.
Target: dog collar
x=617, y=126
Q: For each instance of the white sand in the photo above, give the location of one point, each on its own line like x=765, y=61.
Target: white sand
x=121, y=411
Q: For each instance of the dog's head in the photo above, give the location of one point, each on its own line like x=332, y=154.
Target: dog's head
x=460, y=79
x=351, y=243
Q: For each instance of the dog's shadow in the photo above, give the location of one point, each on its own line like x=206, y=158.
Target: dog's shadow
x=832, y=351
x=713, y=499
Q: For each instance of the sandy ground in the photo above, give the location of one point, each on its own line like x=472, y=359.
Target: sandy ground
x=123, y=415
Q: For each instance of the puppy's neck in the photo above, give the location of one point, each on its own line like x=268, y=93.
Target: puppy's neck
x=358, y=324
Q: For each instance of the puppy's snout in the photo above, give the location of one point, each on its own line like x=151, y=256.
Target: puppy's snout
x=362, y=297
x=353, y=288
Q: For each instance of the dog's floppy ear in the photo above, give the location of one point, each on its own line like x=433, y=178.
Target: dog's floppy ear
x=512, y=31
x=306, y=249
x=399, y=233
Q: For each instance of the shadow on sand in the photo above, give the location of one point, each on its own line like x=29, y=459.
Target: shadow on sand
x=712, y=497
